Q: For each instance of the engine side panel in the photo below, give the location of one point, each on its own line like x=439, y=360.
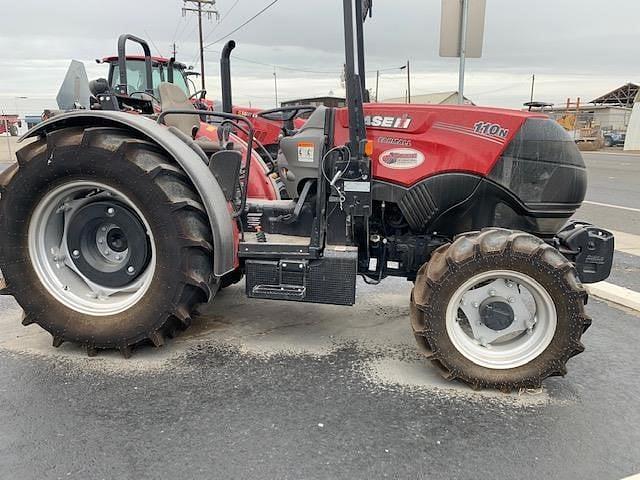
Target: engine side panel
x=481, y=166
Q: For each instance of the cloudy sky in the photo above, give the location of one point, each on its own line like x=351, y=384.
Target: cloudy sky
x=575, y=47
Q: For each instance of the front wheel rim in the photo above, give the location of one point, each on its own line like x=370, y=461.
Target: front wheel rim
x=91, y=248
x=520, y=342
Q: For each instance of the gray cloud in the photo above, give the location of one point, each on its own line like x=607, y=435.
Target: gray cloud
x=575, y=47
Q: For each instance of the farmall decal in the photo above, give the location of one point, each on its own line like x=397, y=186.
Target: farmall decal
x=401, y=123
x=401, y=142
x=401, y=158
x=246, y=113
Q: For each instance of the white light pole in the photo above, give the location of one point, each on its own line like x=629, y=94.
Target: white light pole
x=8, y=133
x=463, y=49
x=275, y=84
x=15, y=101
x=462, y=33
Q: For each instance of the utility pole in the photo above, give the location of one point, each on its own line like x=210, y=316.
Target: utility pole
x=407, y=93
x=533, y=83
x=275, y=82
x=377, y=83
x=408, y=82
x=206, y=7
x=463, y=49
x=174, y=51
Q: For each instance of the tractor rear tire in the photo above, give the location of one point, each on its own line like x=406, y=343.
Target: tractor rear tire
x=516, y=258
x=103, y=172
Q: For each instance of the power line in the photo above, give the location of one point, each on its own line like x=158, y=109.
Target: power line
x=184, y=28
x=216, y=26
x=222, y=18
x=153, y=43
x=297, y=69
x=244, y=23
x=283, y=67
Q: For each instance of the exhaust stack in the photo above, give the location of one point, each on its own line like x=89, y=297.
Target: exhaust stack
x=225, y=76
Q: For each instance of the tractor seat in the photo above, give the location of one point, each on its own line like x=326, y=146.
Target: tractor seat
x=173, y=98
x=185, y=126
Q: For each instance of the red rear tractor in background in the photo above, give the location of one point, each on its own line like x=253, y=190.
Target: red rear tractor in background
x=117, y=221
x=10, y=123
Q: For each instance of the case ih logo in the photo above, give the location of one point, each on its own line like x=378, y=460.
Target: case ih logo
x=491, y=129
x=381, y=121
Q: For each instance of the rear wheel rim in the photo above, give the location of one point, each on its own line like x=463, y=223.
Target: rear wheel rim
x=524, y=340
x=91, y=248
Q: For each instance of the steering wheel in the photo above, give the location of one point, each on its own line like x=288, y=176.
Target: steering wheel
x=203, y=93
x=144, y=93
x=286, y=115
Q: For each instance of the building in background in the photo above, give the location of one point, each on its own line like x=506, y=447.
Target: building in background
x=599, y=121
x=438, y=98
x=32, y=120
x=335, y=102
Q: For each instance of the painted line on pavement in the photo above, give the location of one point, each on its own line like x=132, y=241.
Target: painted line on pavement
x=615, y=294
x=630, y=153
x=633, y=477
x=627, y=242
x=608, y=205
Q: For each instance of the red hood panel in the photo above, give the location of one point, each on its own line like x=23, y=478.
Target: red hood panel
x=412, y=142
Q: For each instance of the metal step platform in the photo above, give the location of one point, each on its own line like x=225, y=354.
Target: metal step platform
x=330, y=279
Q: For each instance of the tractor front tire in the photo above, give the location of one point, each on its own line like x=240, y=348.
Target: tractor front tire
x=499, y=309
x=103, y=240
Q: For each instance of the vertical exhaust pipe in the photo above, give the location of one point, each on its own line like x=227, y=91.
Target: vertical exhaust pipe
x=225, y=76
x=172, y=62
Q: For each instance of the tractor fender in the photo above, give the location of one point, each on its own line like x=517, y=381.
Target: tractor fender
x=202, y=178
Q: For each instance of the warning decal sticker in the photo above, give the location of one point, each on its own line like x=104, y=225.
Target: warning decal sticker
x=306, y=152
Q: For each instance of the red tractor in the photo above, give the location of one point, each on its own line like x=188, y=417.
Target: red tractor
x=268, y=124
x=114, y=226
x=10, y=124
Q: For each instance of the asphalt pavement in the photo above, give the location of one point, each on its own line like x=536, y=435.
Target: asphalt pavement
x=259, y=389
x=266, y=390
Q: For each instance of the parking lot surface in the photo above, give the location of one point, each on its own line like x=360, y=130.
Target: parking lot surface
x=259, y=389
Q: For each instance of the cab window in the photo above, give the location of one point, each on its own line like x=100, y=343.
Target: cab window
x=136, y=79
x=136, y=76
x=179, y=80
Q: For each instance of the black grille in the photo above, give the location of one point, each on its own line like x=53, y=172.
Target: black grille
x=418, y=207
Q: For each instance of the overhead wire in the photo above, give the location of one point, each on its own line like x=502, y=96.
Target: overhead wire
x=196, y=58
x=180, y=35
x=243, y=24
x=222, y=18
x=298, y=69
x=153, y=43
